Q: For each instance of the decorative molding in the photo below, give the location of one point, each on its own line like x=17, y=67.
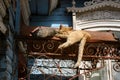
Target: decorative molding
x=98, y=20
x=96, y=4
x=97, y=15
x=99, y=25
x=43, y=56
x=74, y=20
x=116, y=66
x=73, y=3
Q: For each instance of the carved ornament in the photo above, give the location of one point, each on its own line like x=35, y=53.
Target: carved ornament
x=97, y=15
x=95, y=4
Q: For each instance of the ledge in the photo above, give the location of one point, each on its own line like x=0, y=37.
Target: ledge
x=99, y=46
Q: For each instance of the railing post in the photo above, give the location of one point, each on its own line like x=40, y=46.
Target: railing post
x=74, y=20
x=109, y=69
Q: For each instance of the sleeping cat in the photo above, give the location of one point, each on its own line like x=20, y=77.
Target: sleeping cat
x=73, y=36
x=43, y=32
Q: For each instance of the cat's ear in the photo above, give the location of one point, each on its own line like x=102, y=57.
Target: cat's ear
x=70, y=28
x=61, y=26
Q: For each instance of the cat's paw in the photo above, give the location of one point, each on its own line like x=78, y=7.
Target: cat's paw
x=60, y=47
x=76, y=65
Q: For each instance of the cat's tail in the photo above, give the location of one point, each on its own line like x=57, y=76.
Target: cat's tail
x=80, y=51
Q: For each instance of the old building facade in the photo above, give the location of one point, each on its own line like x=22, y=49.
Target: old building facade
x=24, y=57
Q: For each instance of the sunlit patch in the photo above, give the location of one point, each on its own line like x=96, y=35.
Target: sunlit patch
x=58, y=25
x=52, y=66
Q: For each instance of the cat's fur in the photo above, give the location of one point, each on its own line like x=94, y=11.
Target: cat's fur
x=73, y=36
x=44, y=32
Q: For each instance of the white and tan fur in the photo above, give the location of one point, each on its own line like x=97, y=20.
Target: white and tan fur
x=73, y=36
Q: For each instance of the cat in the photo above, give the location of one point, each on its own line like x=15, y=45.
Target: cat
x=73, y=36
x=44, y=32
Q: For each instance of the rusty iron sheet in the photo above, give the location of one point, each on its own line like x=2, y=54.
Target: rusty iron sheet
x=102, y=36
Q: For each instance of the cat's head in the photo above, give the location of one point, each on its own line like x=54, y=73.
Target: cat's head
x=64, y=29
